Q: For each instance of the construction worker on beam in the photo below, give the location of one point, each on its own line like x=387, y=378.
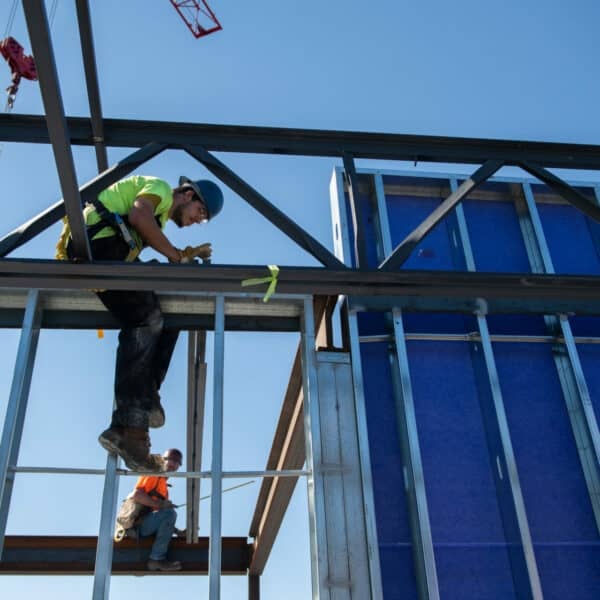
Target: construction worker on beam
x=126, y=217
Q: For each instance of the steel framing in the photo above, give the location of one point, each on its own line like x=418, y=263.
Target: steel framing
x=367, y=289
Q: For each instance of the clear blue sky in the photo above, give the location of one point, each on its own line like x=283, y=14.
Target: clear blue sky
x=520, y=69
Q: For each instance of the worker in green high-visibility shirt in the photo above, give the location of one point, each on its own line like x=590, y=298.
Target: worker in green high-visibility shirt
x=126, y=217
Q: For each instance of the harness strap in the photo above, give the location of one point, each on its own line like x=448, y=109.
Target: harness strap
x=113, y=220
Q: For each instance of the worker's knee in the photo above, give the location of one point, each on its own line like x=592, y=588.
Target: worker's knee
x=169, y=516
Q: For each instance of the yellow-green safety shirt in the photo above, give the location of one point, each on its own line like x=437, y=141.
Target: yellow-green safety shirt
x=120, y=197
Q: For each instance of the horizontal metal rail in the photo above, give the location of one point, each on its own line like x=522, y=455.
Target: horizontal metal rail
x=306, y=142
x=476, y=337
x=179, y=474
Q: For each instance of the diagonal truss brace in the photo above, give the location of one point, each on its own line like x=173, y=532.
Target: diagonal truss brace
x=569, y=193
x=402, y=252
x=92, y=188
x=264, y=207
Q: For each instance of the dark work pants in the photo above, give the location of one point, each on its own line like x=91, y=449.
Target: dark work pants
x=145, y=345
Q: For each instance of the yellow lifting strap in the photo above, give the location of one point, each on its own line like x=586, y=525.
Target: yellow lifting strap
x=271, y=280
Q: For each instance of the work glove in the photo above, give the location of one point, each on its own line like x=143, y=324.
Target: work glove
x=166, y=504
x=189, y=253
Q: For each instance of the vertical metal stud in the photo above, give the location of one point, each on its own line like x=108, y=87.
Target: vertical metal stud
x=214, y=561
x=17, y=404
x=312, y=428
x=510, y=496
x=577, y=397
x=365, y=461
x=104, y=549
x=424, y=556
x=426, y=572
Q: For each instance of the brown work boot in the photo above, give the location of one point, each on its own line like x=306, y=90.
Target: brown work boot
x=163, y=565
x=132, y=444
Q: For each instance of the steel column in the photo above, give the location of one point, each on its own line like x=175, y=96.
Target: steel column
x=214, y=580
x=360, y=243
x=312, y=436
x=39, y=34
x=91, y=79
x=506, y=478
x=402, y=252
x=253, y=587
x=195, y=428
x=264, y=207
x=104, y=549
x=17, y=404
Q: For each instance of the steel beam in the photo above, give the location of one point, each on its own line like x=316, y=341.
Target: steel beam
x=91, y=189
x=307, y=142
x=83, y=310
x=39, y=34
x=264, y=207
x=65, y=555
x=91, y=80
x=402, y=252
x=377, y=290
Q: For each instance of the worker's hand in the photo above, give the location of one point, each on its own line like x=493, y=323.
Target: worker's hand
x=189, y=253
x=163, y=504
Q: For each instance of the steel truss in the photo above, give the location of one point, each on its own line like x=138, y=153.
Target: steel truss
x=385, y=288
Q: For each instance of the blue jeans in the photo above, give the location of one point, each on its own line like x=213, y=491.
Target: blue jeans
x=160, y=523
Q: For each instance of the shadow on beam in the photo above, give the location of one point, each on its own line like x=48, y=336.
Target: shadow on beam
x=66, y=555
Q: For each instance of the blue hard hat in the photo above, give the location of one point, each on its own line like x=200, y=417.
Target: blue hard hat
x=210, y=194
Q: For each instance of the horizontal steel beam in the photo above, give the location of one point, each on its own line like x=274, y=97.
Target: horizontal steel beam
x=420, y=290
x=307, y=142
x=65, y=555
x=83, y=310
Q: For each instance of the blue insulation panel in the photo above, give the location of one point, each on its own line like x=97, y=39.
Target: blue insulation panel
x=472, y=513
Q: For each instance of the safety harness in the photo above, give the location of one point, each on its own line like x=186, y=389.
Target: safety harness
x=113, y=220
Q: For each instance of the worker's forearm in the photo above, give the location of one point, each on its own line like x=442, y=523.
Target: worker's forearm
x=142, y=218
x=142, y=497
x=155, y=238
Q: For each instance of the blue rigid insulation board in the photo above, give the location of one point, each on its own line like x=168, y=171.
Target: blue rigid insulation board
x=498, y=247
x=393, y=531
x=477, y=541
x=573, y=253
x=561, y=520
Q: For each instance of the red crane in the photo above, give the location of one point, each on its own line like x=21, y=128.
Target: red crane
x=198, y=17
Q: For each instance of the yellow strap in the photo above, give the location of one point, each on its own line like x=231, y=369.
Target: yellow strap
x=271, y=280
